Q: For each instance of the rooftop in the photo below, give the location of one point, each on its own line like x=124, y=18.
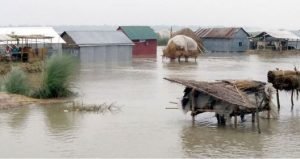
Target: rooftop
x=230, y=91
x=225, y=33
x=139, y=32
x=280, y=34
x=30, y=31
x=99, y=37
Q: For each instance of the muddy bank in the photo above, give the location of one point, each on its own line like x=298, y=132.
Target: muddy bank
x=14, y=100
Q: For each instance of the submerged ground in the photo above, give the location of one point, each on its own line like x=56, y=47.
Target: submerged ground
x=144, y=128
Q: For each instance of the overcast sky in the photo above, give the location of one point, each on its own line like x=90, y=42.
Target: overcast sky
x=249, y=13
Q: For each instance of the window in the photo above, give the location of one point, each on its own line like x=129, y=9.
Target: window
x=240, y=44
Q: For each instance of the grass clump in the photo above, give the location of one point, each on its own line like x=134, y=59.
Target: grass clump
x=16, y=82
x=57, y=77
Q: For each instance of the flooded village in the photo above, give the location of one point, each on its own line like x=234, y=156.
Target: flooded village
x=136, y=90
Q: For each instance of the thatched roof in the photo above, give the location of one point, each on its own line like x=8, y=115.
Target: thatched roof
x=230, y=91
x=190, y=33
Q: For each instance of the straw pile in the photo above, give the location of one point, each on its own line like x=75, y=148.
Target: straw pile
x=172, y=51
x=181, y=46
x=287, y=80
x=188, y=32
x=247, y=85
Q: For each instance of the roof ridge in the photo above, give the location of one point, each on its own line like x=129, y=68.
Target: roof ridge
x=91, y=31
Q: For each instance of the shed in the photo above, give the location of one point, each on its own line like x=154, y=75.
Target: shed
x=277, y=40
x=95, y=46
x=224, y=39
x=144, y=39
x=53, y=44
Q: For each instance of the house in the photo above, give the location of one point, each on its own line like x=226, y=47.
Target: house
x=276, y=40
x=144, y=39
x=95, y=46
x=224, y=39
x=46, y=37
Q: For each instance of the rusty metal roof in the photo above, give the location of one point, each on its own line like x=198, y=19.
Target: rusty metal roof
x=224, y=33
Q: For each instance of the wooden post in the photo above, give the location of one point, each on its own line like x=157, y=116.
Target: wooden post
x=235, y=120
x=193, y=104
x=292, y=101
x=253, y=117
x=257, y=118
x=257, y=113
x=278, y=102
x=269, y=109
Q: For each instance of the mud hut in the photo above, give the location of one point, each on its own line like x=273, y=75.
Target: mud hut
x=227, y=98
x=285, y=80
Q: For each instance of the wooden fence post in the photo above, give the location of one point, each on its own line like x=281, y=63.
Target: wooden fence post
x=278, y=102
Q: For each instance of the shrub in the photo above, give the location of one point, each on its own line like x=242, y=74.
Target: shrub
x=16, y=82
x=57, y=77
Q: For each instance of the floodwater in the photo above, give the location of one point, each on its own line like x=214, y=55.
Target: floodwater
x=144, y=127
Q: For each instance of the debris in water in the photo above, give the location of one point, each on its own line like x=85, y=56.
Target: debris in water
x=102, y=108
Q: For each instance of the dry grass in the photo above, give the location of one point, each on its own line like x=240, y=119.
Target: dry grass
x=97, y=108
x=5, y=68
x=284, y=79
x=34, y=67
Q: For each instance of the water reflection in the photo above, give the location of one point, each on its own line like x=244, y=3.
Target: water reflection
x=58, y=121
x=198, y=141
x=18, y=117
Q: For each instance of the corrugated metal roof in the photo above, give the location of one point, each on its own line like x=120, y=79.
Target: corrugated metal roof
x=139, y=32
x=280, y=34
x=226, y=33
x=99, y=38
x=26, y=31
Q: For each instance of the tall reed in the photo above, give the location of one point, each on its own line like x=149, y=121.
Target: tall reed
x=57, y=77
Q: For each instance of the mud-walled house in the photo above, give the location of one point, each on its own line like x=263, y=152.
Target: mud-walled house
x=95, y=46
x=224, y=39
x=144, y=39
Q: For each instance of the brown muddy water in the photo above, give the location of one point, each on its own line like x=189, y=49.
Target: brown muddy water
x=144, y=128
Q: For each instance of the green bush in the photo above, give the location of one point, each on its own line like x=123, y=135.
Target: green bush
x=162, y=41
x=16, y=82
x=57, y=77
